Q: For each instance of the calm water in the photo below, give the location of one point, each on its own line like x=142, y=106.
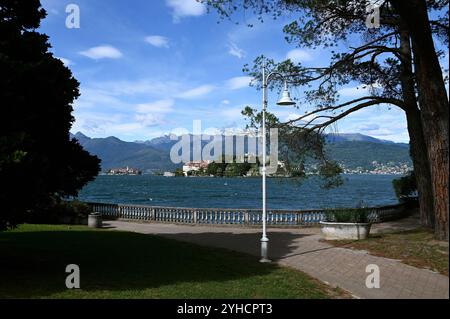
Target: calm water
x=238, y=192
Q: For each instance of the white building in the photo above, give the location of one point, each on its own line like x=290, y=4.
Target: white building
x=195, y=166
x=169, y=174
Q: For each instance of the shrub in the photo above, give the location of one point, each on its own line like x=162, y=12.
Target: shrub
x=61, y=212
x=405, y=186
x=350, y=215
x=179, y=172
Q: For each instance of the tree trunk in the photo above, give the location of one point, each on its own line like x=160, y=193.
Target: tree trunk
x=434, y=104
x=417, y=143
x=421, y=165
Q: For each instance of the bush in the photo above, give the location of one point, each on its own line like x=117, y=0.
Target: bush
x=61, y=212
x=405, y=187
x=355, y=215
x=179, y=172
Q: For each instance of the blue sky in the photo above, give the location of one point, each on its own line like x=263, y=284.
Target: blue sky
x=149, y=67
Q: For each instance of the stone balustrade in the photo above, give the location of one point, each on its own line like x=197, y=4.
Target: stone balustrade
x=231, y=216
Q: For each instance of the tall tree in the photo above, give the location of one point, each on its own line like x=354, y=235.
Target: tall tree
x=38, y=159
x=391, y=81
x=433, y=99
x=419, y=153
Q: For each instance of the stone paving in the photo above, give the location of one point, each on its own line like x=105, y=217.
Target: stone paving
x=300, y=248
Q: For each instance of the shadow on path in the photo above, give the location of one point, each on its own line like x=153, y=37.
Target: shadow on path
x=282, y=243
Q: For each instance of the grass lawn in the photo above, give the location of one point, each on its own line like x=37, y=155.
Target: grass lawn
x=414, y=247
x=117, y=264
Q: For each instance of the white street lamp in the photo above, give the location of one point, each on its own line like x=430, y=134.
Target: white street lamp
x=284, y=101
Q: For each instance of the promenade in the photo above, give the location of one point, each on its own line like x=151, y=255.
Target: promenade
x=302, y=249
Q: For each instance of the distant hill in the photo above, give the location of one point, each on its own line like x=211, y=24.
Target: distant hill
x=361, y=154
x=353, y=150
x=117, y=153
x=357, y=137
x=166, y=143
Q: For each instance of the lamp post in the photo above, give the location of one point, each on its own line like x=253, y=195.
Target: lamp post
x=284, y=101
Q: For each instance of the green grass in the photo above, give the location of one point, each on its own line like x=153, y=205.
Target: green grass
x=415, y=247
x=117, y=264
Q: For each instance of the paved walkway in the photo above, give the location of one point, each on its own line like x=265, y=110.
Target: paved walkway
x=301, y=249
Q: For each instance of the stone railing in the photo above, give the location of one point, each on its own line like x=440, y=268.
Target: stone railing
x=231, y=216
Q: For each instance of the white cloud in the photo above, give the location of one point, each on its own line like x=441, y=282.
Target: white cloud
x=157, y=41
x=234, y=50
x=126, y=128
x=381, y=121
x=95, y=123
x=124, y=95
x=389, y=131
x=154, y=87
x=185, y=8
x=149, y=120
x=226, y=102
x=196, y=92
x=66, y=62
x=91, y=97
x=369, y=127
x=102, y=52
x=299, y=55
x=162, y=106
x=239, y=82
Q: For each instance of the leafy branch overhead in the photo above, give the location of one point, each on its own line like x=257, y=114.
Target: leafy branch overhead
x=375, y=64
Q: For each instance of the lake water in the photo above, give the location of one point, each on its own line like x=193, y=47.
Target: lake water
x=208, y=192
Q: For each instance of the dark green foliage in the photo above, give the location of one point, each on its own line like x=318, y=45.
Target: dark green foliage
x=200, y=172
x=356, y=215
x=237, y=169
x=179, y=172
x=297, y=172
x=61, y=212
x=330, y=173
x=38, y=160
x=216, y=169
x=227, y=169
x=405, y=186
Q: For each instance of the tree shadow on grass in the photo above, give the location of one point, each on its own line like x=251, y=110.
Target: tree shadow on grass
x=33, y=263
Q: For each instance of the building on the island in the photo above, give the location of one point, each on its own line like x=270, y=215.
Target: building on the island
x=124, y=171
x=195, y=166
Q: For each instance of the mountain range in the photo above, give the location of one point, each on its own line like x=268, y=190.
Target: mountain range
x=352, y=150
